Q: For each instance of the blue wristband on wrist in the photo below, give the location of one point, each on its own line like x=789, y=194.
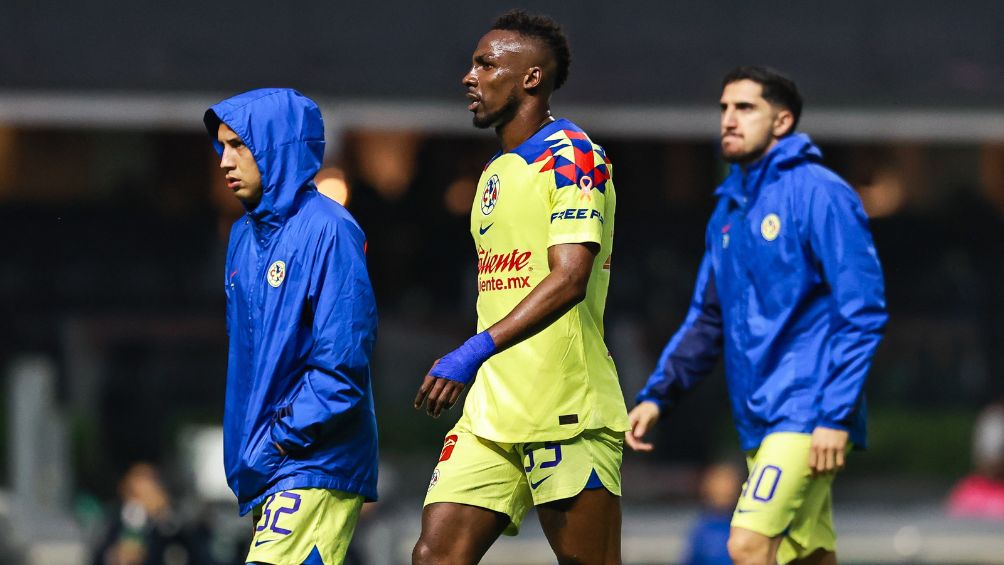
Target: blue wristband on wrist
x=462, y=363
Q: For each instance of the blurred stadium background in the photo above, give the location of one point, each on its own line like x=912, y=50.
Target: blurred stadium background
x=114, y=215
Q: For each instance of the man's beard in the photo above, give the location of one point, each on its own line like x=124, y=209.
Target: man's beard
x=499, y=117
x=747, y=157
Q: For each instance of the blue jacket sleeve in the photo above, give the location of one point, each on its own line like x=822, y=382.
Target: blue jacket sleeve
x=693, y=351
x=336, y=381
x=841, y=242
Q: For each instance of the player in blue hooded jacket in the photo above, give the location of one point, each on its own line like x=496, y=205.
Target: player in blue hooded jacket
x=791, y=290
x=300, y=435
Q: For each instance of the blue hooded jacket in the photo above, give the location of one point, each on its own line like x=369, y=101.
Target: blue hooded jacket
x=301, y=316
x=791, y=287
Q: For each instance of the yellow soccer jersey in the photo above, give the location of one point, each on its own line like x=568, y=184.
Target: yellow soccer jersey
x=554, y=188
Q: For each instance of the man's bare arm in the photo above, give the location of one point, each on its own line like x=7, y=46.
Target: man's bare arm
x=565, y=286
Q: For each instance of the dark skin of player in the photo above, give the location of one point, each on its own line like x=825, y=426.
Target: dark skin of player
x=509, y=85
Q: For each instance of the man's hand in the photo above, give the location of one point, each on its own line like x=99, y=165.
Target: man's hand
x=450, y=373
x=827, y=451
x=438, y=394
x=642, y=418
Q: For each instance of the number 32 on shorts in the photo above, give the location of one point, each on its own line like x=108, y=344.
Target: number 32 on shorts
x=268, y=513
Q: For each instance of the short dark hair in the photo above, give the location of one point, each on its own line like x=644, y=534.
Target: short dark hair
x=547, y=31
x=778, y=89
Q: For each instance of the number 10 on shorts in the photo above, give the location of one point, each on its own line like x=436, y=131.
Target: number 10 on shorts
x=764, y=482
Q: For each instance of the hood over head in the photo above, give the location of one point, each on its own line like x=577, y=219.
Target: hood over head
x=284, y=131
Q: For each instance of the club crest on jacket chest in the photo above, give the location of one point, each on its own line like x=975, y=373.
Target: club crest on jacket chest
x=276, y=273
x=770, y=227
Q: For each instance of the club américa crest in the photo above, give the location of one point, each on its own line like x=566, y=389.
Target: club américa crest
x=770, y=227
x=276, y=273
x=491, y=195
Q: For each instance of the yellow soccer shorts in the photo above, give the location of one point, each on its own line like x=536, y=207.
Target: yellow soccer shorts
x=304, y=527
x=782, y=497
x=511, y=478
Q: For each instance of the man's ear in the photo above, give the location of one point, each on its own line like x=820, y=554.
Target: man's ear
x=784, y=122
x=532, y=78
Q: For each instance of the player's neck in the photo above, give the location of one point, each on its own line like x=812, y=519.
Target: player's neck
x=524, y=124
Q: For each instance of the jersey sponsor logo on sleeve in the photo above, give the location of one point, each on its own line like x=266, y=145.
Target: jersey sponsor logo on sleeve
x=276, y=274
x=434, y=479
x=577, y=214
x=490, y=196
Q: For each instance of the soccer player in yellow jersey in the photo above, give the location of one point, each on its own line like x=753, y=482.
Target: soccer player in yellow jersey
x=544, y=418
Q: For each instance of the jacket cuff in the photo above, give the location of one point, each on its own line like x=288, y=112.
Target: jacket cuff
x=833, y=425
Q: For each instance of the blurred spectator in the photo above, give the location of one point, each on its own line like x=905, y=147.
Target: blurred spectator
x=146, y=531
x=707, y=542
x=981, y=493
x=331, y=182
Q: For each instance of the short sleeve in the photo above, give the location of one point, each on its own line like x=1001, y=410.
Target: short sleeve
x=578, y=201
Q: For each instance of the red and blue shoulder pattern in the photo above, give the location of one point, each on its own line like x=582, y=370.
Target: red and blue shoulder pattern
x=563, y=149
